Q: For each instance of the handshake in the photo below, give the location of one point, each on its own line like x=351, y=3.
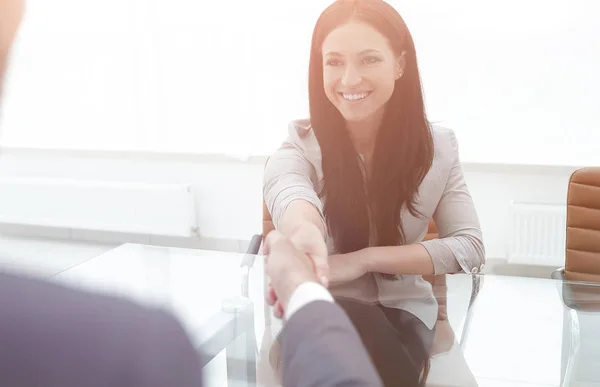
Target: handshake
x=292, y=261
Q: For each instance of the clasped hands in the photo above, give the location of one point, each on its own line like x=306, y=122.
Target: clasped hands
x=303, y=257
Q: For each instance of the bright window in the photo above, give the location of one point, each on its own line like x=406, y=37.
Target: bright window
x=517, y=80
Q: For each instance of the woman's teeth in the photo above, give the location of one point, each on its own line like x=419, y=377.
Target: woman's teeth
x=355, y=96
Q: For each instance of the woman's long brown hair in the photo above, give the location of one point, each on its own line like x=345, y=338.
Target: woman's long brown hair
x=403, y=152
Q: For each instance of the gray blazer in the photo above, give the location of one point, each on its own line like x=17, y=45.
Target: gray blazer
x=294, y=172
x=321, y=347
x=52, y=336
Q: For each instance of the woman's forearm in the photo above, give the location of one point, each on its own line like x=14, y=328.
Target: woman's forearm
x=409, y=259
x=297, y=215
x=302, y=224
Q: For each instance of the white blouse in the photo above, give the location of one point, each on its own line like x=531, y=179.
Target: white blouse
x=294, y=172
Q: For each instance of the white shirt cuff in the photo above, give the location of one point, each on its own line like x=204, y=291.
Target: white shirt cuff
x=305, y=294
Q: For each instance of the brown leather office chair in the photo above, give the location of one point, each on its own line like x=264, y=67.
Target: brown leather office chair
x=582, y=264
x=582, y=257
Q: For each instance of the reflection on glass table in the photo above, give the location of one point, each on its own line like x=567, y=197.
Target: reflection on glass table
x=410, y=330
x=455, y=330
x=202, y=288
x=580, y=363
x=474, y=330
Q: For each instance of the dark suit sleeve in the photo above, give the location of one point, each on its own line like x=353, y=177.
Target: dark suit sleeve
x=321, y=348
x=56, y=337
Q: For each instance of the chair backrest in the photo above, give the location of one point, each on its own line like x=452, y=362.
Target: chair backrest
x=582, y=258
x=432, y=232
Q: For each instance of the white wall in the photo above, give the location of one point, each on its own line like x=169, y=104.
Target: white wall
x=228, y=192
x=229, y=195
x=493, y=187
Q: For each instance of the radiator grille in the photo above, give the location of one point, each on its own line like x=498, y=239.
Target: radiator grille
x=537, y=234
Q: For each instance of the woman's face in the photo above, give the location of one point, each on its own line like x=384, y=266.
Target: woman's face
x=359, y=70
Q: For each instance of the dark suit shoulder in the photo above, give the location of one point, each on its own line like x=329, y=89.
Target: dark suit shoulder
x=72, y=337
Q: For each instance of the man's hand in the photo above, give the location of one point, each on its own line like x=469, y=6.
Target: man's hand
x=287, y=267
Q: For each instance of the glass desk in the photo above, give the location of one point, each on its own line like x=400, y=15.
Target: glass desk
x=456, y=330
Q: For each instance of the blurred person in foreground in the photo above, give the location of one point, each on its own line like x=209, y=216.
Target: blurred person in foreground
x=55, y=336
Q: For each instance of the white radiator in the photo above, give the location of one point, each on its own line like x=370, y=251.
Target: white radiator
x=537, y=234
x=151, y=209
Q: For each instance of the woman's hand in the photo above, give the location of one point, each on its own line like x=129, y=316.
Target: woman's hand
x=308, y=239
x=287, y=268
x=347, y=267
x=443, y=338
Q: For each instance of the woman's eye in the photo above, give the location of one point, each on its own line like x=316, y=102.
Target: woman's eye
x=371, y=60
x=334, y=62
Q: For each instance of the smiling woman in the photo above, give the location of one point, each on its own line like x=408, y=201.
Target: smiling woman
x=363, y=176
x=359, y=81
x=368, y=165
x=376, y=110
